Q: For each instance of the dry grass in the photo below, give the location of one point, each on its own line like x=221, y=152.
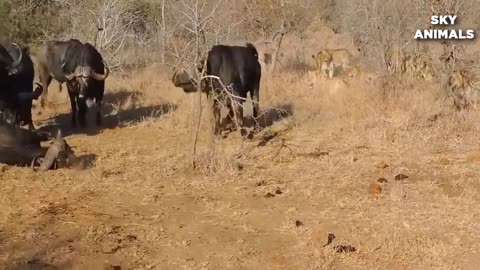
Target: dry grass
x=141, y=207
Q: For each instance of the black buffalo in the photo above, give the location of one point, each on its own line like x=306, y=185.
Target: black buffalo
x=78, y=65
x=239, y=71
x=16, y=85
x=20, y=147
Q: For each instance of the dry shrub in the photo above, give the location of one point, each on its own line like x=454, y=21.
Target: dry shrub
x=209, y=163
x=382, y=28
x=355, y=100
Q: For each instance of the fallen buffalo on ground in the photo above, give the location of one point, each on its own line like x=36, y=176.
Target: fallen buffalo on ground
x=21, y=147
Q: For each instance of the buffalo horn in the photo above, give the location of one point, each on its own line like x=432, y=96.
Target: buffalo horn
x=101, y=77
x=72, y=75
x=52, y=153
x=17, y=61
x=38, y=90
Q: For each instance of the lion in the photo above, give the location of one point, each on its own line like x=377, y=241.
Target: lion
x=417, y=66
x=464, y=88
x=354, y=71
x=391, y=58
x=324, y=62
x=328, y=59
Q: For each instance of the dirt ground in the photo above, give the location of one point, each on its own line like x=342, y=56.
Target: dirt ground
x=259, y=204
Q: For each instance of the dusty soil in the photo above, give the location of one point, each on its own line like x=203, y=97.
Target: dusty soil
x=251, y=205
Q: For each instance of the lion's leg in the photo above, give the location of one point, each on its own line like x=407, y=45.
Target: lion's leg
x=324, y=70
x=331, y=69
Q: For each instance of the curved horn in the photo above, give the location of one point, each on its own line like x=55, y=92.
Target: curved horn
x=50, y=157
x=17, y=61
x=72, y=75
x=38, y=91
x=101, y=77
x=53, y=152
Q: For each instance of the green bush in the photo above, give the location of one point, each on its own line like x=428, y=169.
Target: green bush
x=27, y=24
x=4, y=20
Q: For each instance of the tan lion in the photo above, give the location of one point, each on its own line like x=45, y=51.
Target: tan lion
x=464, y=88
x=417, y=66
x=324, y=62
x=354, y=71
x=328, y=59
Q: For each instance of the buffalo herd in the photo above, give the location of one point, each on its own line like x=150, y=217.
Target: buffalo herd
x=229, y=72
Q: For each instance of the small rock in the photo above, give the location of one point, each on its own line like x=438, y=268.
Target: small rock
x=382, y=165
x=261, y=183
x=344, y=248
x=318, y=153
x=400, y=177
x=278, y=191
x=112, y=267
x=268, y=135
x=269, y=195
x=239, y=166
x=375, y=189
x=382, y=180
x=323, y=153
x=298, y=223
x=131, y=237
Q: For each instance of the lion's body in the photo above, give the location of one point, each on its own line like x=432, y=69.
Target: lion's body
x=354, y=71
x=418, y=66
x=464, y=88
x=329, y=59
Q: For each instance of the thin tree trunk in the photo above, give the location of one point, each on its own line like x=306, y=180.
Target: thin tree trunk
x=277, y=47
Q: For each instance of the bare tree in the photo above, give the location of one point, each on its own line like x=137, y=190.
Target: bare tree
x=113, y=27
x=195, y=18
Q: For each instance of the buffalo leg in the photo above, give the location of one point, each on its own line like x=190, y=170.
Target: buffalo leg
x=215, y=113
x=238, y=110
x=24, y=116
x=217, y=118
x=73, y=104
x=98, y=104
x=45, y=83
x=255, y=99
x=82, y=111
x=255, y=96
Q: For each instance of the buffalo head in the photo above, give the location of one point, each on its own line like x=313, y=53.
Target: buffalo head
x=13, y=69
x=181, y=78
x=83, y=74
